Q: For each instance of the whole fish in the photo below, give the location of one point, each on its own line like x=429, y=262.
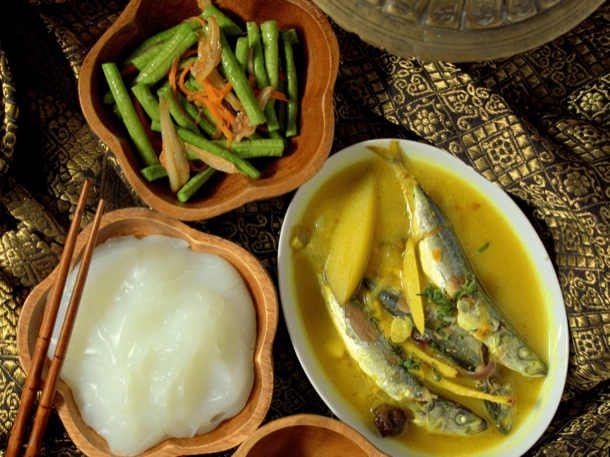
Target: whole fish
x=381, y=361
x=476, y=313
x=374, y=354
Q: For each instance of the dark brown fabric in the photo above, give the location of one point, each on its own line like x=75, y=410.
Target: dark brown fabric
x=536, y=124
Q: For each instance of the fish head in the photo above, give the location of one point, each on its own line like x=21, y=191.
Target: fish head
x=443, y=416
x=532, y=365
x=517, y=355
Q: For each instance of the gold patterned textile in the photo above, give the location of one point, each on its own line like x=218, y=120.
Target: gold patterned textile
x=537, y=124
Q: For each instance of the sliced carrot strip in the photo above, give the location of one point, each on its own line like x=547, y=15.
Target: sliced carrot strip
x=278, y=95
x=197, y=18
x=211, y=91
x=190, y=52
x=181, y=79
x=172, y=74
x=226, y=89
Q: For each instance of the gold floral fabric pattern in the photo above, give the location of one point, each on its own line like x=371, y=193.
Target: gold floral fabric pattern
x=537, y=124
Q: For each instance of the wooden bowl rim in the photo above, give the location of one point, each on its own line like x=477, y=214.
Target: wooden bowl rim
x=266, y=315
x=253, y=190
x=311, y=420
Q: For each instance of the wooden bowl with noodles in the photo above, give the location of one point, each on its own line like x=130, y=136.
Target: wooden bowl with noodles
x=231, y=432
x=316, y=58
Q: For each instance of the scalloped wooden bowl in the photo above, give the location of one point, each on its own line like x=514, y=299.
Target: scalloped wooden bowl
x=307, y=435
x=317, y=67
x=230, y=433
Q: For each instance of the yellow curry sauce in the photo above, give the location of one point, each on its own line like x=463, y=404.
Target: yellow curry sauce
x=503, y=268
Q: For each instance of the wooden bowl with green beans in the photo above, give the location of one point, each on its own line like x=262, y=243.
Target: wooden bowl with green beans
x=210, y=106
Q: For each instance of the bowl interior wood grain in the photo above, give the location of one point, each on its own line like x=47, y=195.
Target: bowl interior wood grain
x=306, y=435
x=317, y=60
x=230, y=433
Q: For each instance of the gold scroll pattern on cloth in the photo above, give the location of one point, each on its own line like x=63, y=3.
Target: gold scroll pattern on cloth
x=536, y=124
x=8, y=115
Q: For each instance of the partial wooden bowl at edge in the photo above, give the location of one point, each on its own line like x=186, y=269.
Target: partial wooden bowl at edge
x=317, y=61
x=307, y=435
x=230, y=433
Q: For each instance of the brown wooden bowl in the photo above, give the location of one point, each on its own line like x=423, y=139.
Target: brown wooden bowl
x=307, y=435
x=230, y=433
x=317, y=68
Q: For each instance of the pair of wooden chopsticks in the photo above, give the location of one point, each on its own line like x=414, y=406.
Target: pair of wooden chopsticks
x=34, y=379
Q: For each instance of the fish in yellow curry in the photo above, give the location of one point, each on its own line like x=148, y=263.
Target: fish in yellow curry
x=406, y=311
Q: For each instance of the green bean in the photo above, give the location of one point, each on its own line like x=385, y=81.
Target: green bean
x=242, y=48
x=115, y=110
x=194, y=113
x=249, y=149
x=144, y=59
x=258, y=60
x=160, y=65
x=148, y=101
x=269, y=33
x=277, y=135
x=194, y=184
x=175, y=109
x=108, y=98
x=280, y=106
x=227, y=25
x=160, y=37
x=203, y=143
x=154, y=172
x=128, y=112
x=240, y=83
x=288, y=38
x=184, y=62
x=260, y=72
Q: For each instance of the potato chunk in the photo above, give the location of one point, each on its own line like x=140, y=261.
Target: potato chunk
x=351, y=240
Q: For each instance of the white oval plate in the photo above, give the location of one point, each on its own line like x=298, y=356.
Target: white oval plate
x=532, y=429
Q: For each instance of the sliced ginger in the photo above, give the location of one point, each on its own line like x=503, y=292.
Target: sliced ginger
x=411, y=285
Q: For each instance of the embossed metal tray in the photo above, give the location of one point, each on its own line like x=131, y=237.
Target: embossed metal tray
x=458, y=30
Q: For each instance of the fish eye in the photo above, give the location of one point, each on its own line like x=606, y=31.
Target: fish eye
x=461, y=418
x=524, y=353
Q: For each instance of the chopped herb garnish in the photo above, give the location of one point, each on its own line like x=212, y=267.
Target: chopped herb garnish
x=469, y=287
x=482, y=248
x=444, y=306
x=411, y=363
x=434, y=345
x=437, y=375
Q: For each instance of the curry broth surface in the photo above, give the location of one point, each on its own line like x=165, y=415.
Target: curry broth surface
x=503, y=268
